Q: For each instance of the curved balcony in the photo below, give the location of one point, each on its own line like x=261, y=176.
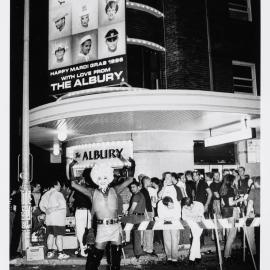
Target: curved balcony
x=144, y=8
x=156, y=4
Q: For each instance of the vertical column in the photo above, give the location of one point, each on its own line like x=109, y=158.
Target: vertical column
x=26, y=190
x=242, y=153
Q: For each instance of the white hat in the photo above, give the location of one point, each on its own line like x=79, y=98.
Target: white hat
x=83, y=39
x=59, y=16
x=84, y=10
x=59, y=46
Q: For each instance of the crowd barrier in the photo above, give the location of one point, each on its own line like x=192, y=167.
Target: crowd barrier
x=206, y=224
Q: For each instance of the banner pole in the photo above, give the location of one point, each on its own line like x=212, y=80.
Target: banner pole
x=25, y=174
x=218, y=244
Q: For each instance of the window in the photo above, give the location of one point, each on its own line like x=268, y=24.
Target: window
x=244, y=78
x=143, y=67
x=240, y=10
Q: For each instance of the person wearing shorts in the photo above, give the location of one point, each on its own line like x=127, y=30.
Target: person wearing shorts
x=53, y=204
x=105, y=206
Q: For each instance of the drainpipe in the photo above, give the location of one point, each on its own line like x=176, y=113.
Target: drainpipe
x=210, y=61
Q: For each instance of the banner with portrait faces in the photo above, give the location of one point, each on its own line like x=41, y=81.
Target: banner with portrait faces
x=87, y=44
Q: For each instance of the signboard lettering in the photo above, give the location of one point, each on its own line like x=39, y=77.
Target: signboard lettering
x=87, y=44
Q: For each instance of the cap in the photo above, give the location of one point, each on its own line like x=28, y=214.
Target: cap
x=83, y=39
x=84, y=10
x=112, y=34
x=59, y=16
x=59, y=46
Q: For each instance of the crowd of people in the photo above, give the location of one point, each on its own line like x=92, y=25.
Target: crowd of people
x=97, y=205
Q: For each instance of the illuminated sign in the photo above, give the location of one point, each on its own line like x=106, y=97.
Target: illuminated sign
x=114, y=153
x=87, y=44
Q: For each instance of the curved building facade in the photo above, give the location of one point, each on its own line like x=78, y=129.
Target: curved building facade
x=189, y=76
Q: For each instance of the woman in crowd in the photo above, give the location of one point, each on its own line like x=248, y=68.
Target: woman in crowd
x=168, y=210
x=230, y=210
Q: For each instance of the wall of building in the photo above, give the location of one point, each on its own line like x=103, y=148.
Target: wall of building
x=185, y=35
x=154, y=152
x=159, y=151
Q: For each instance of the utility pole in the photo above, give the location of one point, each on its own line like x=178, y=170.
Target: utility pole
x=26, y=213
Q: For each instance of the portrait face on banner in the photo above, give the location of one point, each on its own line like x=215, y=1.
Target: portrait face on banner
x=111, y=40
x=82, y=32
x=84, y=15
x=85, y=47
x=60, y=54
x=60, y=22
x=58, y=3
x=111, y=11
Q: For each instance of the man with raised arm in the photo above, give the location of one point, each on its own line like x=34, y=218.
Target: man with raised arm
x=105, y=206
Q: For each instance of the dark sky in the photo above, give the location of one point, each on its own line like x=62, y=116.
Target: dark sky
x=38, y=66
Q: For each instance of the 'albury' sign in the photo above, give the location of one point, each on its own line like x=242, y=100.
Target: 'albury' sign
x=115, y=153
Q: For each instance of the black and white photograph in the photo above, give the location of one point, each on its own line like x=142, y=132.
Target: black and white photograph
x=111, y=40
x=111, y=11
x=60, y=53
x=85, y=47
x=84, y=15
x=136, y=135
x=60, y=22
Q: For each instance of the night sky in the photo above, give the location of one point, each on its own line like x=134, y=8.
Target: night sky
x=39, y=93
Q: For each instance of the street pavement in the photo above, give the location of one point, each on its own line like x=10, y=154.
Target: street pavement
x=209, y=262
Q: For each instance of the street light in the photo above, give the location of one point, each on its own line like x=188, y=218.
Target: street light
x=62, y=135
x=56, y=148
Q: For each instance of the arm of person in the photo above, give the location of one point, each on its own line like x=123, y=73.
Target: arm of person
x=43, y=203
x=233, y=202
x=193, y=193
x=131, y=169
x=69, y=169
x=87, y=192
x=61, y=201
x=132, y=208
x=71, y=197
x=250, y=182
x=249, y=207
x=209, y=197
x=121, y=187
x=161, y=192
x=160, y=210
x=186, y=215
x=216, y=194
x=199, y=215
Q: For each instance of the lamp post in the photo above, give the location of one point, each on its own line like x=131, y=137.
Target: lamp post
x=25, y=175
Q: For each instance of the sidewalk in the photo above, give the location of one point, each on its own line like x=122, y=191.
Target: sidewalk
x=129, y=259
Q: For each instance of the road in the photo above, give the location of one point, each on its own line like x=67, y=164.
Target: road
x=208, y=263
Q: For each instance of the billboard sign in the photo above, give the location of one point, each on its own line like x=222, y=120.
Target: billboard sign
x=87, y=44
x=115, y=154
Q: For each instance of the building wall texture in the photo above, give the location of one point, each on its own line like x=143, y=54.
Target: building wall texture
x=191, y=47
x=186, y=45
